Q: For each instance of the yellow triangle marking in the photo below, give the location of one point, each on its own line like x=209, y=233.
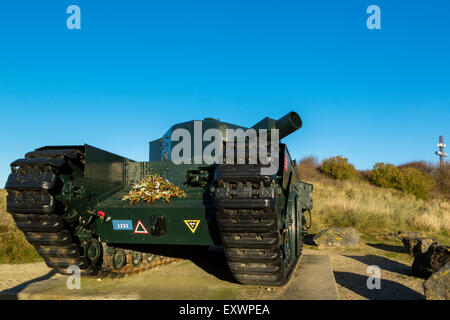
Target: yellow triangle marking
x=192, y=224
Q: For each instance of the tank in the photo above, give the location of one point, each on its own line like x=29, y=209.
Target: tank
x=74, y=203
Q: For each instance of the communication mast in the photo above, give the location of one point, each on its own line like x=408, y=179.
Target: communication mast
x=441, y=152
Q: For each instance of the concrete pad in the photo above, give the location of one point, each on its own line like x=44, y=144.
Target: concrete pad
x=313, y=279
x=204, y=277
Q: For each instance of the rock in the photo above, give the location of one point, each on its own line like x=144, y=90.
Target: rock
x=337, y=237
x=426, y=263
x=400, y=235
x=437, y=287
x=414, y=242
x=417, y=244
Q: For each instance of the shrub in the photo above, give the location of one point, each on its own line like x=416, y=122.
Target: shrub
x=424, y=166
x=338, y=168
x=309, y=161
x=307, y=168
x=439, y=174
x=441, y=177
x=385, y=175
x=416, y=182
x=364, y=175
x=408, y=179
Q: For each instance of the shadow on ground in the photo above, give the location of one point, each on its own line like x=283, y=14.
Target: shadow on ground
x=14, y=291
x=383, y=263
x=213, y=261
x=389, y=290
x=388, y=247
x=209, y=258
x=308, y=239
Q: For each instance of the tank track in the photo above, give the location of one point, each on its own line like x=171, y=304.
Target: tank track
x=33, y=188
x=247, y=220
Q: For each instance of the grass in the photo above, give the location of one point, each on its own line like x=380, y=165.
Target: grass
x=14, y=248
x=376, y=211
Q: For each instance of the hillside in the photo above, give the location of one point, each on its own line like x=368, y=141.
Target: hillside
x=373, y=210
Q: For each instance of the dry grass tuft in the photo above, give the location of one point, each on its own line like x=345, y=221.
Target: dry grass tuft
x=372, y=209
x=14, y=248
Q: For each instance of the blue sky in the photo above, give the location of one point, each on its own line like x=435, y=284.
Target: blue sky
x=137, y=67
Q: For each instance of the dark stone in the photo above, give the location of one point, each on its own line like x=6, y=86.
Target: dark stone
x=414, y=242
x=400, y=234
x=437, y=287
x=337, y=237
x=417, y=244
x=426, y=263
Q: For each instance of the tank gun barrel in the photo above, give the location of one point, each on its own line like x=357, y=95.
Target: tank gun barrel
x=286, y=125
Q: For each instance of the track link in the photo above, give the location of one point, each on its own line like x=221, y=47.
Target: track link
x=247, y=220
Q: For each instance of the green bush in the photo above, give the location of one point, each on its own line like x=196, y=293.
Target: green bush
x=338, y=168
x=385, y=175
x=424, y=166
x=416, y=182
x=409, y=180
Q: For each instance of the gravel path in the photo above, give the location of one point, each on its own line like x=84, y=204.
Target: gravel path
x=12, y=275
x=350, y=272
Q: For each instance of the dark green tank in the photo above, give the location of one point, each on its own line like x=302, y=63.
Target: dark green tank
x=112, y=216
